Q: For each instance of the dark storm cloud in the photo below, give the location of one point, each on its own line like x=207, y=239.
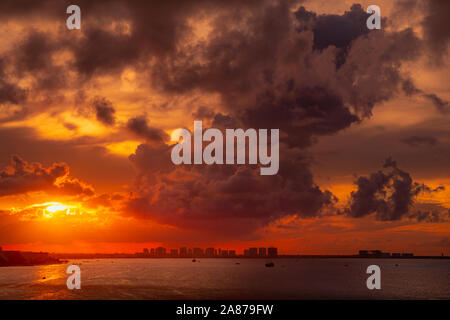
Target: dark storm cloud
x=74, y=187
x=340, y=31
x=203, y=113
x=388, y=195
x=103, y=167
x=104, y=111
x=29, y=78
x=33, y=56
x=430, y=212
x=34, y=53
x=436, y=25
x=156, y=27
x=11, y=93
x=272, y=74
x=22, y=177
x=334, y=30
x=417, y=141
x=103, y=200
x=304, y=113
x=434, y=21
x=222, y=197
x=10, y=9
x=306, y=74
x=140, y=127
x=224, y=121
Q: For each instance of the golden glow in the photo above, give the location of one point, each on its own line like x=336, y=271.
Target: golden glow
x=52, y=208
x=123, y=148
x=49, y=209
x=56, y=207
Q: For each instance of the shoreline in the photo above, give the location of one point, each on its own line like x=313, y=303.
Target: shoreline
x=23, y=258
x=133, y=256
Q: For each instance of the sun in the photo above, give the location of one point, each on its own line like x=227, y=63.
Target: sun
x=56, y=207
x=53, y=207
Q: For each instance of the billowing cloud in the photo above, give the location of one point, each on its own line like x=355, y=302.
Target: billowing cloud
x=265, y=64
x=390, y=196
x=317, y=84
x=104, y=111
x=437, y=25
x=22, y=177
x=140, y=127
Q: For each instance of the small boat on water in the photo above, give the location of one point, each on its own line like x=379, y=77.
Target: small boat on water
x=270, y=264
x=193, y=260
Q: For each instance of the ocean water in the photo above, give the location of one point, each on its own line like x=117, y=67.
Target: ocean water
x=225, y=279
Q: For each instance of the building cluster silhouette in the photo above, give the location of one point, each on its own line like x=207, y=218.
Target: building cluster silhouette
x=185, y=252
x=381, y=254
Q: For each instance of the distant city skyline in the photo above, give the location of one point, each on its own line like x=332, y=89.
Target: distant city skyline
x=209, y=252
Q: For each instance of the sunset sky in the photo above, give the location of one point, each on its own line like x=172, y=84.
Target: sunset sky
x=86, y=117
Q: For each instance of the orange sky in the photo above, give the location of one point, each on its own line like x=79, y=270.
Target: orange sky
x=88, y=113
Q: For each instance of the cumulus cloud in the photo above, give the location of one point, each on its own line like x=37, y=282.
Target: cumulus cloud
x=203, y=113
x=140, y=127
x=431, y=213
x=437, y=26
x=334, y=30
x=22, y=177
x=307, y=82
x=104, y=111
x=388, y=195
x=270, y=65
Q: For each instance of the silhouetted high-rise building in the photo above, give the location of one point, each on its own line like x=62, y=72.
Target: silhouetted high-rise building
x=145, y=251
x=183, y=252
x=160, y=252
x=152, y=251
x=246, y=254
x=198, y=252
x=209, y=252
x=262, y=252
x=272, y=252
x=407, y=254
x=253, y=252
x=232, y=253
x=224, y=253
x=174, y=252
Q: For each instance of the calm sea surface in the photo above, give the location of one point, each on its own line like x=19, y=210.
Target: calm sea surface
x=225, y=279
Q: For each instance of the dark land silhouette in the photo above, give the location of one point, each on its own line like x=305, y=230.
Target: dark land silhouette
x=22, y=258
